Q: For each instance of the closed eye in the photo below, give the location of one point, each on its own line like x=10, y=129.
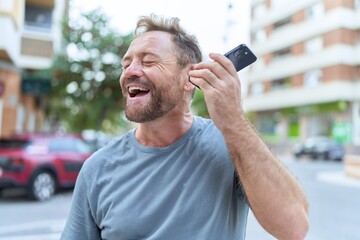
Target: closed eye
x=124, y=67
x=147, y=63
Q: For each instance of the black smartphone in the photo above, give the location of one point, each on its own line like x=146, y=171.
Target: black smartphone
x=241, y=56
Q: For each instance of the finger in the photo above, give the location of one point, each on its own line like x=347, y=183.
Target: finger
x=200, y=83
x=217, y=68
x=224, y=62
x=203, y=78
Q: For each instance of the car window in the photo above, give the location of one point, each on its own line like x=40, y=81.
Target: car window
x=62, y=145
x=68, y=145
x=83, y=147
x=13, y=143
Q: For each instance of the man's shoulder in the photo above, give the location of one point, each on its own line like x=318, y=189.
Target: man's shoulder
x=103, y=155
x=206, y=125
x=203, y=123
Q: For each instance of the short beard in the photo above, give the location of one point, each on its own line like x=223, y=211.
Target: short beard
x=162, y=102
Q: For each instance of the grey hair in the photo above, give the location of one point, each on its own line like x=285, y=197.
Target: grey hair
x=187, y=46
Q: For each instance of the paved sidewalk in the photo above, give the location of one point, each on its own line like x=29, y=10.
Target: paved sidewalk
x=338, y=178
x=332, y=177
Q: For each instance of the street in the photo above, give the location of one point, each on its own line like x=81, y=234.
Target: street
x=334, y=207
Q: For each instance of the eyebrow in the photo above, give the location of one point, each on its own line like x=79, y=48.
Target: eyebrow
x=145, y=53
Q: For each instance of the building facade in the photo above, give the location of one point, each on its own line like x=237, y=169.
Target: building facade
x=307, y=78
x=30, y=33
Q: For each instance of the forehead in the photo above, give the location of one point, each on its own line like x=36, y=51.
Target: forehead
x=154, y=41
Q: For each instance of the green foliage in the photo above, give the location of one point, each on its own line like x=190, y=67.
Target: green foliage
x=198, y=104
x=85, y=88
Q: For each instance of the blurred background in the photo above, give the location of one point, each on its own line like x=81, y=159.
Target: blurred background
x=59, y=71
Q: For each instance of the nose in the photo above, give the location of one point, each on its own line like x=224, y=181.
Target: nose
x=133, y=70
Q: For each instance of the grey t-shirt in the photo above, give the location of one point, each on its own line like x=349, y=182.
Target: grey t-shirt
x=183, y=191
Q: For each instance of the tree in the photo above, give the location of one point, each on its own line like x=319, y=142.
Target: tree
x=85, y=91
x=198, y=104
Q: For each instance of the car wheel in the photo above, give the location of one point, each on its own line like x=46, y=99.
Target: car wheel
x=42, y=186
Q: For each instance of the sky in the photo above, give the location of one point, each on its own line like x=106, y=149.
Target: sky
x=211, y=21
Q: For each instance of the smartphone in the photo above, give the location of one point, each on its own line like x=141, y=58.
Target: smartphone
x=241, y=56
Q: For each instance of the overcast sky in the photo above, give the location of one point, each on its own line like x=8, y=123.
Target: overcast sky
x=210, y=21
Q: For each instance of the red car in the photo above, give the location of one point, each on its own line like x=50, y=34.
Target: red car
x=41, y=163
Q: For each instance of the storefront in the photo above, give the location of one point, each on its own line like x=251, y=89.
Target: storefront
x=339, y=120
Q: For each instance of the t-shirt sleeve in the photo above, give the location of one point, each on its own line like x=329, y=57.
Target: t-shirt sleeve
x=80, y=224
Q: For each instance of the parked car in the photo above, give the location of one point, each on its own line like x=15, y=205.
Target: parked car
x=320, y=147
x=41, y=163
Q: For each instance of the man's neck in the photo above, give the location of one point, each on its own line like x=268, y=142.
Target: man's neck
x=164, y=131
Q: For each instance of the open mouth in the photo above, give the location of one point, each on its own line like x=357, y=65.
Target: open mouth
x=137, y=91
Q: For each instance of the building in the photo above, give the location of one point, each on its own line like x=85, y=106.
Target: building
x=307, y=78
x=29, y=34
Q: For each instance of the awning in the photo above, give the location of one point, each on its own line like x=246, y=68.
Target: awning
x=35, y=86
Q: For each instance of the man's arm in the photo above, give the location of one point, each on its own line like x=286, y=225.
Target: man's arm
x=274, y=195
x=80, y=224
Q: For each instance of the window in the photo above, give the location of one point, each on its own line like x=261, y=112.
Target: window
x=13, y=143
x=282, y=53
x=357, y=38
x=312, y=78
x=316, y=11
x=38, y=18
x=268, y=124
x=314, y=45
x=282, y=83
x=69, y=145
x=282, y=23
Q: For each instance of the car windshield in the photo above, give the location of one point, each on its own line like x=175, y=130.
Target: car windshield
x=13, y=143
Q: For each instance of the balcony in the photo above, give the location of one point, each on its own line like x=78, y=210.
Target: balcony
x=41, y=3
x=9, y=37
x=335, y=19
x=36, y=52
x=339, y=54
x=323, y=93
x=36, y=47
x=36, y=43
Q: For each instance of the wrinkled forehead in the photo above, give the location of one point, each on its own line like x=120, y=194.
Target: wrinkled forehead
x=153, y=41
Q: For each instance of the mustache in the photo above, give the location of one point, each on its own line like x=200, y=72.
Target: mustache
x=143, y=82
x=140, y=81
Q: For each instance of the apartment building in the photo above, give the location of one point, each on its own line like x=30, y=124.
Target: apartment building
x=307, y=78
x=29, y=35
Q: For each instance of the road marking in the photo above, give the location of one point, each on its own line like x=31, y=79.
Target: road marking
x=51, y=229
x=338, y=178
x=52, y=236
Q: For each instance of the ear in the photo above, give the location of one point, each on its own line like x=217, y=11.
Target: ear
x=188, y=87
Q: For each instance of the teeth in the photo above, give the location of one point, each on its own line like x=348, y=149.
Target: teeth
x=136, y=88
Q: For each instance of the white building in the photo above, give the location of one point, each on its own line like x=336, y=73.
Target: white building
x=29, y=35
x=307, y=78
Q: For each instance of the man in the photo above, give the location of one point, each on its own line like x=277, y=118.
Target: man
x=179, y=176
